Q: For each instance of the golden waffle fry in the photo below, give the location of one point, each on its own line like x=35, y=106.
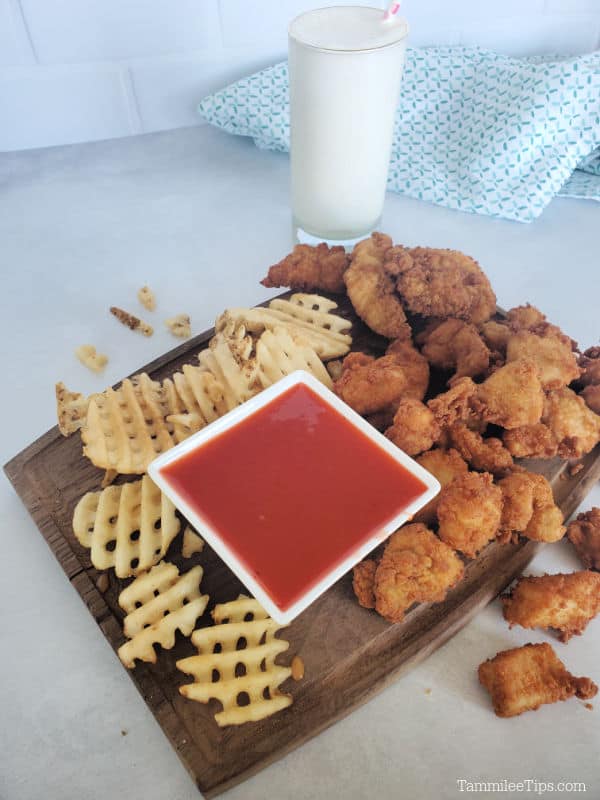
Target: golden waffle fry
x=180, y=326
x=128, y=527
x=147, y=298
x=90, y=358
x=192, y=543
x=308, y=315
x=247, y=692
x=71, y=409
x=157, y=604
x=278, y=353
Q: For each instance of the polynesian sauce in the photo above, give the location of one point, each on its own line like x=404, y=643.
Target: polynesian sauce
x=293, y=490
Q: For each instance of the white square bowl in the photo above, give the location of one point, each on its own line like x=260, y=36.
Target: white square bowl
x=212, y=536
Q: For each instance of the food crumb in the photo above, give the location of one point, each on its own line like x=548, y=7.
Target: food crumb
x=563, y=476
x=575, y=468
x=589, y=706
x=427, y=691
x=147, y=298
x=297, y=668
x=123, y=732
x=102, y=583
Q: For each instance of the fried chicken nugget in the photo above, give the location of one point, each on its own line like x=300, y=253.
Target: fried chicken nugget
x=416, y=567
x=531, y=441
x=591, y=396
x=589, y=362
x=488, y=454
x=369, y=384
x=552, y=355
x=372, y=291
x=414, y=365
x=584, y=535
x=445, y=465
x=529, y=508
x=469, y=512
x=512, y=396
x=442, y=283
x=309, y=268
x=414, y=428
x=575, y=427
x=455, y=344
x=524, y=678
x=565, y=602
x=455, y=404
x=495, y=333
x=363, y=582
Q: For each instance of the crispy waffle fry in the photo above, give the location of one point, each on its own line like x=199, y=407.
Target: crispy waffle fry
x=192, y=543
x=157, y=604
x=132, y=322
x=254, y=694
x=278, y=353
x=71, y=409
x=91, y=359
x=308, y=315
x=109, y=477
x=180, y=326
x=147, y=298
x=128, y=527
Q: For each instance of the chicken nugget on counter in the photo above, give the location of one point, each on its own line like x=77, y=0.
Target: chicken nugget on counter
x=584, y=534
x=309, y=268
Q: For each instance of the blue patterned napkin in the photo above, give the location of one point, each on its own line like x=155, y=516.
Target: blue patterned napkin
x=474, y=130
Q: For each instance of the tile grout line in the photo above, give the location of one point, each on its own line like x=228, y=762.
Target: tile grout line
x=17, y=12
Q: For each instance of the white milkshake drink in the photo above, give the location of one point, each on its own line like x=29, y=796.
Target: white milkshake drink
x=345, y=67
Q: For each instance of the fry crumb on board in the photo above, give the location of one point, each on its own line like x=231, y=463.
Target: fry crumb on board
x=297, y=666
x=147, y=298
x=575, y=468
x=91, y=359
x=180, y=326
x=132, y=322
x=102, y=583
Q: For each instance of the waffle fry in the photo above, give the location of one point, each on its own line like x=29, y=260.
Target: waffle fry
x=71, y=409
x=147, y=298
x=128, y=527
x=90, y=358
x=157, y=604
x=180, y=326
x=278, y=353
x=192, y=543
x=308, y=315
x=132, y=322
x=257, y=687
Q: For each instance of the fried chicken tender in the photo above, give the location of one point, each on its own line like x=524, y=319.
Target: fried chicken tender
x=372, y=290
x=488, y=455
x=584, y=535
x=531, y=441
x=552, y=355
x=529, y=508
x=589, y=361
x=442, y=283
x=455, y=344
x=455, y=404
x=565, y=602
x=495, y=333
x=363, y=582
x=469, y=512
x=414, y=428
x=369, y=384
x=416, y=567
x=575, y=427
x=512, y=396
x=445, y=465
x=414, y=365
x=591, y=396
x=309, y=268
x=524, y=678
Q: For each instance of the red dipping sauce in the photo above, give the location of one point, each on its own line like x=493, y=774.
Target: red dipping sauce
x=293, y=490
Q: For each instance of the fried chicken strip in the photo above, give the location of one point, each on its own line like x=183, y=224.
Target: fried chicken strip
x=469, y=512
x=524, y=678
x=584, y=535
x=309, y=268
x=565, y=602
x=416, y=567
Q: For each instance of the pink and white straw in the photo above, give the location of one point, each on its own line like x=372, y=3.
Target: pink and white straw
x=391, y=11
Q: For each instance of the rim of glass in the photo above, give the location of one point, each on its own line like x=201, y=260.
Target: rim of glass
x=403, y=28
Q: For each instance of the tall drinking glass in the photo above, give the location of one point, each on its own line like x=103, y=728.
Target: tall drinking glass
x=345, y=68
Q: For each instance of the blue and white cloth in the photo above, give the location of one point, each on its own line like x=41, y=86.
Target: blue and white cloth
x=474, y=130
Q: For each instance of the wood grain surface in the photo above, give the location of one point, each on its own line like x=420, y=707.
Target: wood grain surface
x=350, y=653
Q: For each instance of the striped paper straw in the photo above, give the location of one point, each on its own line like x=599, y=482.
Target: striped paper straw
x=391, y=12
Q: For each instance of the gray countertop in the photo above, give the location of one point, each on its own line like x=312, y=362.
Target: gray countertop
x=199, y=215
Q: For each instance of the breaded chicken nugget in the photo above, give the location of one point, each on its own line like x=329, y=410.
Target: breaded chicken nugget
x=455, y=344
x=370, y=384
x=372, y=291
x=414, y=428
x=445, y=465
x=363, y=582
x=565, y=602
x=512, y=396
x=309, y=268
x=556, y=363
x=415, y=568
x=488, y=454
x=524, y=678
x=574, y=426
x=529, y=508
x=584, y=535
x=414, y=365
x=455, y=404
x=531, y=441
x=469, y=512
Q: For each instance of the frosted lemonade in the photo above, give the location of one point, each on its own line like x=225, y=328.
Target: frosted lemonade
x=345, y=67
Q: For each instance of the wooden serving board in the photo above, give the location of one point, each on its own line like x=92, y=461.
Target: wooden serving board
x=350, y=653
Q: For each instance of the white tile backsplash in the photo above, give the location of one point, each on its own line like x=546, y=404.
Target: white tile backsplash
x=77, y=70
x=108, y=30
x=61, y=105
